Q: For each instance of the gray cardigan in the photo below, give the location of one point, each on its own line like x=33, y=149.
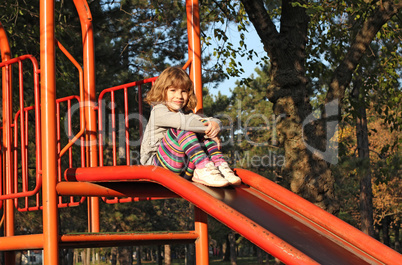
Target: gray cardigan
x=160, y=120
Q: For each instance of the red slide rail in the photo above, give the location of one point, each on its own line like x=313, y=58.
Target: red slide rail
x=327, y=224
x=187, y=190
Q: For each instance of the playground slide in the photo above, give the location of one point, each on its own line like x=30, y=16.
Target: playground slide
x=283, y=224
x=270, y=214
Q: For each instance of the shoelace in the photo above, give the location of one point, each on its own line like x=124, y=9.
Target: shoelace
x=212, y=169
x=226, y=168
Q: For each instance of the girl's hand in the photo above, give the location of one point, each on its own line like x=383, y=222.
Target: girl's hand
x=213, y=129
x=218, y=142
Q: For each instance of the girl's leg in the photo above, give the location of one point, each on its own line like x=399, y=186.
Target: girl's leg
x=171, y=155
x=181, y=152
x=200, y=166
x=214, y=153
x=217, y=157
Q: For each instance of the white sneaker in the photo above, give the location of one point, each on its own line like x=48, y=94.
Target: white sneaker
x=209, y=176
x=229, y=174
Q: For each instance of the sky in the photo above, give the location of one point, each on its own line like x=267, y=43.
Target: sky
x=252, y=40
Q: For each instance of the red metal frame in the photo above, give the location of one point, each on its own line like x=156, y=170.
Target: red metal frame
x=23, y=132
x=50, y=150
x=48, y=130
x=8, y=212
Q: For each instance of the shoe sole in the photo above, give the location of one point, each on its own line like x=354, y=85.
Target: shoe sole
x=209, y=184
x=237, y=183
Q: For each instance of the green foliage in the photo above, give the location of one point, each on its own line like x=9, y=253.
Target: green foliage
x=227, y=52
x=156, y=215
x=249, y=138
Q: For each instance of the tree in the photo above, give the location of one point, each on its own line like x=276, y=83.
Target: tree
x=253, y=136
x=384, y=167
x=285, y=30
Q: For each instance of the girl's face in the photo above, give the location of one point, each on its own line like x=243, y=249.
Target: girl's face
x=176, y=98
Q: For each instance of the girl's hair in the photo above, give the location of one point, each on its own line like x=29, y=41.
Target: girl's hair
x=172, y=77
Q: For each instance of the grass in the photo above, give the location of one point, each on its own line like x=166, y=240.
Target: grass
x=212, y=261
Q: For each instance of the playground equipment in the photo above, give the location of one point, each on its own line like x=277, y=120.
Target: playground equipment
x=275, y=219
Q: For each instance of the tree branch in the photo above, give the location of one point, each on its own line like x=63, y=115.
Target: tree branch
x=343, y=74
x=263, y=24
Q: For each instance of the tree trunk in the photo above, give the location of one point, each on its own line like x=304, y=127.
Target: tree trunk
x=259, y=256
x=131, y=252
x=306, y=171
x=149, y=254
x=168, y=256
x=377, y=232
x=83, y=257
x=76, y=256
x=230, y=249
x=159, y=255
x=93, y=254
x=226, y=250
x=139, y=255
x=125, y=257
x=232, y=241
x=70, y=257
x=278, y=262
x=366, y=193
x=268, y=256
x=18, y=257
x=190, y=254
x=397, y=237
x=63, y=257
x=114, y=256
x=385, y=230
x=307, y=174
x=88, y=256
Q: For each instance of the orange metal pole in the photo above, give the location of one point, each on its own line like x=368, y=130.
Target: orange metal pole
x=90, y=102
x=201, y=228
x=21, y=242
x=194, y=49
x=7, y=141
x=48, y=117
x=194, y=54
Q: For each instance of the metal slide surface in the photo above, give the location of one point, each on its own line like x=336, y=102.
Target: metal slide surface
x=285, y=224
x=275, y=219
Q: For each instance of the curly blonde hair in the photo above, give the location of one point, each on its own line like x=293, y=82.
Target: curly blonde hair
x=172, y=77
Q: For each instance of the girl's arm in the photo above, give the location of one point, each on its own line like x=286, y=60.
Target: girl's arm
x=163, y=117
x=213, y=128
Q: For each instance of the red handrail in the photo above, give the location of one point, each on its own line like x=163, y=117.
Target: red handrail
x=13, y=194
x=81, y=84
x=24, y=136
x=30, y=206
x=101, y=120
x=69, y=147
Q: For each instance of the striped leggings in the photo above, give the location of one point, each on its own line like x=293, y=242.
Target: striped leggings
x=181, y=151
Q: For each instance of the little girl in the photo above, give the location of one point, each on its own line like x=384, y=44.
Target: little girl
x=179, y=140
